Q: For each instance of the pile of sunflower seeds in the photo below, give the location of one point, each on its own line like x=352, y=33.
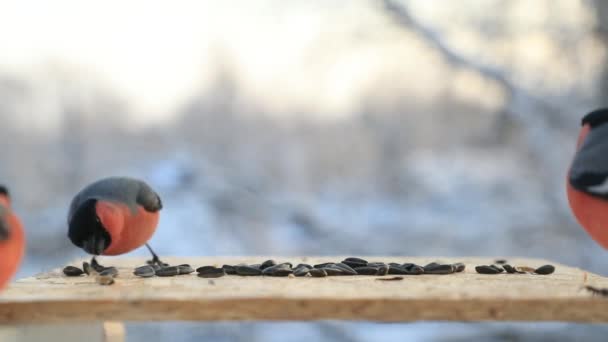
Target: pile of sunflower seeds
x=103, y=275
x=148, y=271
x=500, y=266
x=347, y=267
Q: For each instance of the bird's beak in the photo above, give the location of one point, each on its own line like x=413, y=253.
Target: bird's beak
x=94, y=245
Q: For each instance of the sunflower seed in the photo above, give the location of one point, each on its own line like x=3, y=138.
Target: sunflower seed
x=392, y=269
x=323, y=265
x=500, y=261
x=415, y=269
x=280, y=270
x=72, y=271
x=366, y=270
x=376, y=264
x=145, y=271
x=318, y=272
x=354, y=259
x=485, y=269
x=498, y=268
x=354, y=262
x=345, y=268
x=96, y=266
x=229, y=269
x=168, y=271
x=459, y=267
x=545, y=269
x=439, y=269
x=185, y=269
x=304, y=265
x=383, y=270
x=332, y=270
x=246, y=270
x=509, y=268
x=109, y=271
x=210, y=272
x=301, y=271
x=267, y=263
x=86, y=267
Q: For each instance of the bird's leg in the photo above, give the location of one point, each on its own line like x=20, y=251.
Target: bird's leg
x=155, y=260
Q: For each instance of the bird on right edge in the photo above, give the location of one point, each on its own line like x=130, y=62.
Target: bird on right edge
x=12, y=239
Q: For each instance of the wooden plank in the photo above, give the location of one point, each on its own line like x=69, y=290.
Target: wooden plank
x=466, y=296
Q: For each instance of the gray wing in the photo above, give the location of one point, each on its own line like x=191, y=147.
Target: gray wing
x=589, y=170
x=129, y=191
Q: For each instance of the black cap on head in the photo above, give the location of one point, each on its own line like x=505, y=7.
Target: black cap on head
x=596, y=118
x=4, y=190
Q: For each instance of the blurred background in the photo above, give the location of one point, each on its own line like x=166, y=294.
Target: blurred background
x=419, y=128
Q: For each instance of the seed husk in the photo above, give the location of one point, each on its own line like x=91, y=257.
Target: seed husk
x=72, y=271
x=318, y=273
x=485, y=269
x=229, y=269
x=524, y=269
x=104, y=279
x=459, y=267
x=168, y=271
x=145, y=271
x=246, y=270
x=510, y=269
x=366, y=270
x=109, y=271
x=301, y=271
x=280, y=270
x=210, y=272
x=185, y=269
x=545, y=269
x=267, y=263
x=439, y=269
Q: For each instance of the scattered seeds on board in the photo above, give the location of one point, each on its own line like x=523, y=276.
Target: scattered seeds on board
x=246, y=270
x=317, y=273
x=545, y=269
x=168, y=271
x=72, y=271
x=104, y=279
x=210, y=272
x=145, y=271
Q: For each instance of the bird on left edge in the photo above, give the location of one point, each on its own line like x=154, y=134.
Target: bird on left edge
x=12, y=239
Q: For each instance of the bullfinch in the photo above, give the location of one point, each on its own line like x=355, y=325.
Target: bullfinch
x=114, y=216
x=587, y=183
x=12, y=239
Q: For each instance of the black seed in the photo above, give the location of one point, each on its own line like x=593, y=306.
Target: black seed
x=210, y=272
x=497, y=268
x=301, y=271
x=383, y=270
x=267, y=263
x=185, y=269
x=407, y=265
x=323, y=264
x=545, y=269
x=281, y=270
x=256, y=266
x=155, y=266
x=357, y=260
x=397, y=269
x=485, y=269
x=366, y=270
x=430, y=265
x=109, y=271
x=509, y=268
x=87, y=268
x=229, y=269
x=500, y=261
x=459, y=267
x=439, y=269
x=72, y=271
x=245, y=270
x=304, y=265
x=168, y=271
x=318, y=272
x=332, y=271
x=145, y=271
x=96, y=266
x=346, y=269
x=376, y=264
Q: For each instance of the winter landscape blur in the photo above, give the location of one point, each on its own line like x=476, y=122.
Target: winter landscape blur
x=419, y=128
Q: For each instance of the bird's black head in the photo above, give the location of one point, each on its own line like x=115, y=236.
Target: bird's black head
x=596, y=118
x=4, y=191
x=86, y=230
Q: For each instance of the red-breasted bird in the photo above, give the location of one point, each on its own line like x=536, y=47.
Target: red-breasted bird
x=588, y=176
x=114, y=216
x=12, y=239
